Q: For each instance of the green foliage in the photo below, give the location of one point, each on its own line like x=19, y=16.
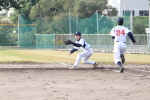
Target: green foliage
x=52, y=27
x=14, y=18
x=111, y=10
x=23, y=9
x=50, y=9
x=6, y=4
x=7, y=37
x=86, y=9
x=139, y=24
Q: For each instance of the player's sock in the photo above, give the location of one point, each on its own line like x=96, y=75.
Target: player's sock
x=119, y=64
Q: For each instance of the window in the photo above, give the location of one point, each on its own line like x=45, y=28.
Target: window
x=127, y=13
x=143, y=13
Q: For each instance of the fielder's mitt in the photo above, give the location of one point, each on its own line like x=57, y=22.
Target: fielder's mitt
x=67, y=42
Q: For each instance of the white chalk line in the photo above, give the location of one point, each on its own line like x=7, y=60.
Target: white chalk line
x=119, y=71
x=116, y=71
x=62, y=63
x=131, y=73
x=139, y=70
x=107, y=69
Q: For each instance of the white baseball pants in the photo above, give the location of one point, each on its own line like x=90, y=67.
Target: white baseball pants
x=119, y=48
x=85, y=55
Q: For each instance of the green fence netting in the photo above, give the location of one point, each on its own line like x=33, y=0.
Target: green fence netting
x=27, y=30
x=8, y=36
x=46, y=41
x=96, y=30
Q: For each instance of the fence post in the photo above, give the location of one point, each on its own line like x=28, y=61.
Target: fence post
x=149, y=17
x=97, y=27
x=131, y=25
x=70, y=24
x=54, y=41
x=148, y=34
x=36, y=41
x=77, y=23
x=131, y=20
x=124, y=10
x=41, y=23
x=18, y=29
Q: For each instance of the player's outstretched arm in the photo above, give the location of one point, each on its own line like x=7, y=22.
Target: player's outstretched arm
x=68, y=42
x=130, y=35
x=77, y=44
x=134, y=42
x=72, y=51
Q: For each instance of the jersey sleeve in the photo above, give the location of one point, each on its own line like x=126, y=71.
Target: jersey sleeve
x=81, y=42
x=73, y=50
x=76, y=47
x=112, y=32
x=127, y=30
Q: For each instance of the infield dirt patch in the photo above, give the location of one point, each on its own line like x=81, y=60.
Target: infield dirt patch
x=56, y=82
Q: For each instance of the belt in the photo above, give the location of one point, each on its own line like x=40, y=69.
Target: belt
x=118, y=41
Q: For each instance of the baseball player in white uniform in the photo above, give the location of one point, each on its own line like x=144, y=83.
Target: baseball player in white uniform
x=119, y=34
x=86, y=54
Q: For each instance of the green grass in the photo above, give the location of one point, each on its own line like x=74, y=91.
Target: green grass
x=45, y=56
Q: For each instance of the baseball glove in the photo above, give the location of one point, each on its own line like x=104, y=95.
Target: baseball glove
x=67, y=42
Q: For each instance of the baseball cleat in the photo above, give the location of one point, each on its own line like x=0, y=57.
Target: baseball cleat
x=122, y=58
x=73, y=67
x=94, y=65
x=121, y=70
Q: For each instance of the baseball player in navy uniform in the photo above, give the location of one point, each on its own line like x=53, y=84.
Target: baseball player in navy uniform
x=119, y=34
x=85, y=55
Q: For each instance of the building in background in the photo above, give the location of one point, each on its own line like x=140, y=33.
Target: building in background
x=7, y=13
x=140, y=7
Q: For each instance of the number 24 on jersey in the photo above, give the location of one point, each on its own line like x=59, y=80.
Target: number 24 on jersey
x=118, y=32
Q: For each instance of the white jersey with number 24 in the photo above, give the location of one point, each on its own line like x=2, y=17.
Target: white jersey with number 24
x=120, y=33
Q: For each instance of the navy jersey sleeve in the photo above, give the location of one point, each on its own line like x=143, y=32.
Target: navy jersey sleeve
x=73, y=50
x=130, y=35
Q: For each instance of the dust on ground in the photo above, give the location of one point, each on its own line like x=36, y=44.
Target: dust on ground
x=56, y=82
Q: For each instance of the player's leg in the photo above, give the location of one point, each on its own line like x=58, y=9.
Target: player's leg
x=117, y=53
x=87, y=56
x=79, y=56
x=86, y=61
x=123, y=50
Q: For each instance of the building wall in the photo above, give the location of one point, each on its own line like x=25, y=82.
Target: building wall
x=136, y=5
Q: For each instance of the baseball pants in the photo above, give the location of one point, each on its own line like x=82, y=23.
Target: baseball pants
x=85, y=55
x=119, y=48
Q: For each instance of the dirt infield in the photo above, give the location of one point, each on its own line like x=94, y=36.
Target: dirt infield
x=56, y=82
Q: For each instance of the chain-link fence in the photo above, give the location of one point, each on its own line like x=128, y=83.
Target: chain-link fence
x=51, y=34
x=105, y=43
x=8, y=36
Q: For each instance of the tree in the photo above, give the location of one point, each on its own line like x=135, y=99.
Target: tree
x=24, y=9
x=87, y=8
x=111, y=11
x=51, y=8
x=139, y=25
x=6, y=4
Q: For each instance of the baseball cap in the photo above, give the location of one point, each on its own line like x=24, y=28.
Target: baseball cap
x=77, y=33
x=120, y=19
